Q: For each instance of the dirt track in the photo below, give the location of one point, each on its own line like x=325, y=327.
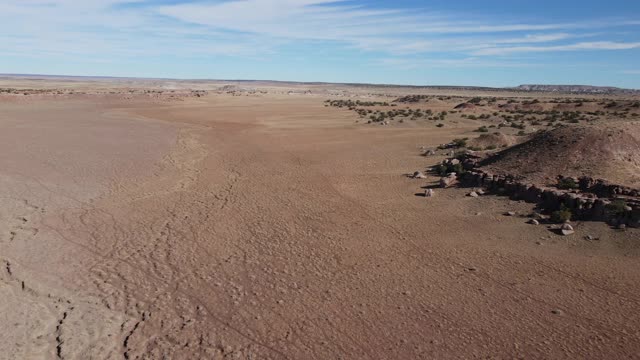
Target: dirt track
x=272, y=227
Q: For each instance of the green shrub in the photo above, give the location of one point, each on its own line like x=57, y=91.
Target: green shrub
x=567, y=184
x=562, y=215
x=443, y=169
x=616, y=208
x=460, y=142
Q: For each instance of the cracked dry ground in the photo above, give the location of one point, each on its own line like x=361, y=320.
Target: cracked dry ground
x=266, y=228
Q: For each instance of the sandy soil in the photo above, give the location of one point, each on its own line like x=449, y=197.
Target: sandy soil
x=272, y=227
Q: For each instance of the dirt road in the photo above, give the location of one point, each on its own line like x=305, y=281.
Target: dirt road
x=274, y=228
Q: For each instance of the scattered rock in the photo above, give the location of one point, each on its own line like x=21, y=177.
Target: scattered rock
x=510, y=213
x=566, y=229
x=480, y=192
x=418, y=175
x=448, y=181
x=428, y=193
x=473, y=194
x=534, y=222
x=588, y=237
x=622, y=227
x=557, y=312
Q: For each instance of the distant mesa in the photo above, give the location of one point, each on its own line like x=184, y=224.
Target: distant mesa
x=576, y=89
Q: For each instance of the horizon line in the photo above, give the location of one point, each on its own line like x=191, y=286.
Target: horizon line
x=515, y=87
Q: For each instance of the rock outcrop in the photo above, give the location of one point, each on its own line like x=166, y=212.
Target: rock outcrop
x=592, y=200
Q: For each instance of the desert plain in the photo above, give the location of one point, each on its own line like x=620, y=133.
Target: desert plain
x=161, y=219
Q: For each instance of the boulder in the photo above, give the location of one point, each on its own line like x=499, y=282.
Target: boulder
x=534, y=222
x=566, y=229
x=428, y=193
x=473, y=194
x=448, y=181
x=418, y=175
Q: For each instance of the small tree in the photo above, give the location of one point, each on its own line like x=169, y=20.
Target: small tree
x=562, y=215
x=567, y=184
x=617, y=208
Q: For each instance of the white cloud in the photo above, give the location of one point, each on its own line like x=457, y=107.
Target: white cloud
x=331, y=20
x=114, y=28
x=470, y=62
x=535, y=38
x=597, y=45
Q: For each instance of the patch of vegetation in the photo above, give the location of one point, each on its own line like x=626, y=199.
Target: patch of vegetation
x=352, y=104
x=445, y=169
x=482, y=129
x=562, y=215
x=460, y=142
x=616, y=208
x=567, y=184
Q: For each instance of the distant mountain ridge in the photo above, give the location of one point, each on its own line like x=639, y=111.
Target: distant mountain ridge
x=567, y=89
x=577, y=89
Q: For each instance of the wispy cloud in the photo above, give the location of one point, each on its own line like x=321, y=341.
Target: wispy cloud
x=599, y=45
x=389, y=35
x=470, y=62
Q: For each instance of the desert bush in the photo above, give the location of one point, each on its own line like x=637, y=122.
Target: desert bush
x=567, y=184
x=445, y=169
x=617, y=208
x=460, y=142
x=562, y=215
x=482, y=129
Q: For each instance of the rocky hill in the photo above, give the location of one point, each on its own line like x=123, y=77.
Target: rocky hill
x=608, y=152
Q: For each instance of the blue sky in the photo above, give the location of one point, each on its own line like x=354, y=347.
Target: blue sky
x=428, y=42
